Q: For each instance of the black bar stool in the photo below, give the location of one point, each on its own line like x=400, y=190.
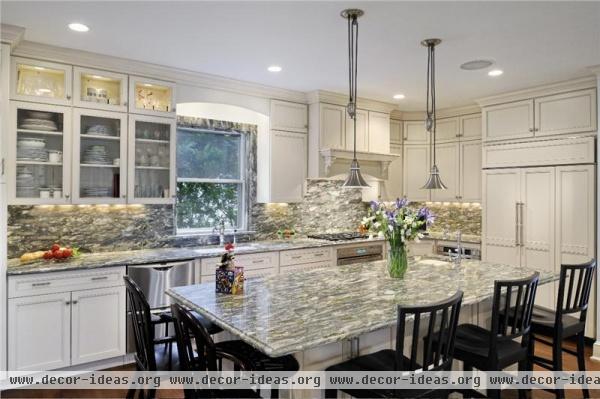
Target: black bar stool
x=497, y=349
x=437, y=348
x=208, y=353
x=574, y=289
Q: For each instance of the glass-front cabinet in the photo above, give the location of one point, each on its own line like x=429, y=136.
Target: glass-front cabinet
x=100, y=89
x=151, y=160
x=40, y=81
x=40, y=150
x=151, y=97
x=99, y=157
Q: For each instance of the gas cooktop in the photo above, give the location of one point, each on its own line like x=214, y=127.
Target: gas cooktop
x=347, y=236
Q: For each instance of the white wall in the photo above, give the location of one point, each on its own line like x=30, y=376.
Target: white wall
x=233, y=113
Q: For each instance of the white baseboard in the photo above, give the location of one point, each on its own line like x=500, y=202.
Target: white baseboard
x=596, y=352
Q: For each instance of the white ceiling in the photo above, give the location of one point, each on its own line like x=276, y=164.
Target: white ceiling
x=533, y=42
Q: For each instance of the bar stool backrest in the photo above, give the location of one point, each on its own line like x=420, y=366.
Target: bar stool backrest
x=512, y=309
x=195, y=346
x=443, y=319
x=574, y=289
x=142, y=327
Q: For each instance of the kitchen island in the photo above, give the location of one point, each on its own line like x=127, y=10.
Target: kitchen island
x=314, y=313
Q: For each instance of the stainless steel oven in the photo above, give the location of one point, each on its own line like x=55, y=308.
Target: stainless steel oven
x=154, y=280
x=360, y=252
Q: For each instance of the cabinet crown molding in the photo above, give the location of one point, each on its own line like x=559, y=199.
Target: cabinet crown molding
x=322, y=96
x=442, y=113
x=180, y=76
x=539, y=91
x=11, y=34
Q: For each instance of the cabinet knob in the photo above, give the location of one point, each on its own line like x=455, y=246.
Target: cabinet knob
x=531, y=129
x=68, y=97
x=123, y=196
x=74, y=302
x=68, y=303
x=67, y=196
x=125, y=103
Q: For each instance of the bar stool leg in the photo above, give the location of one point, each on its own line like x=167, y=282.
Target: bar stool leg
x=581, y=359
x=557, y=361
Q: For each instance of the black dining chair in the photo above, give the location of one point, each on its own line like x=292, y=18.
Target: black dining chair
x=574, y=289
x=206, y=355
x=496, y=349
x=436, y=342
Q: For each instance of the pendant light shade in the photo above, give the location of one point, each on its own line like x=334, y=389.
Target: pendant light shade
x=434, y=182
x=355, y=179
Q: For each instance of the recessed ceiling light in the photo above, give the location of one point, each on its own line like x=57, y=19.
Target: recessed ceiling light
x=495, y=72
x=399, y=96
x=274, y=68
x=78, y=27
x=476, y=64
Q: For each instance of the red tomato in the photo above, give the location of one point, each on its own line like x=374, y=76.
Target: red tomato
x=48, y=255
x=55, y=247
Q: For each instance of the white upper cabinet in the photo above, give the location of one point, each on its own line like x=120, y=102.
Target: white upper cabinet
x=39, y=156
x=379, y=132
x=289, y=117
x=566, y=113
x=333, y=126
x=392, y=187
x=151, y=97
x=508, y=121
x=41, y=81
x=470, y=171
x=100, y=89
x=470, y=127
x=447, y=129
x=415, y=133
x=415, y=171
x=447, y=159
x=99, y=157
x=396, y=131
x=362, y=131
x=151, y=160
x=288, y=166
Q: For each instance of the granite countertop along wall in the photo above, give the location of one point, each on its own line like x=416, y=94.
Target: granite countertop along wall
x=283, y=315
x=145, y=256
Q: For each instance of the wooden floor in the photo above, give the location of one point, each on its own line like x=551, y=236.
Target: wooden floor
x=569, y=362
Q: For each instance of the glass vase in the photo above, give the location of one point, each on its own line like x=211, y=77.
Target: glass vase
x=397, y=260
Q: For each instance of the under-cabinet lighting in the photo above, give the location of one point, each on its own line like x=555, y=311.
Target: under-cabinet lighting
x=399, y=96
x=78, y=27
x=147, y=85
x=39, y=68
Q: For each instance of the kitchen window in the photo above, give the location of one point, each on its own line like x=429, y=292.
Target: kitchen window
x=211, y=180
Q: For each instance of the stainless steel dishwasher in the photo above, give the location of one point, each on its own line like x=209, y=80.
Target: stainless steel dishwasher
x=154, y=280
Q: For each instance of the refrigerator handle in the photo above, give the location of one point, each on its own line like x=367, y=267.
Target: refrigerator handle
x=517, y=225
x=521, y=238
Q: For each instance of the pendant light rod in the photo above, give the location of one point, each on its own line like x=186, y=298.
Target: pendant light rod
x=434, y=181
x=355, y=178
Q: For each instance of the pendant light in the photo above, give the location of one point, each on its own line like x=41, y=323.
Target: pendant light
x=354, y=179
x=433, y=182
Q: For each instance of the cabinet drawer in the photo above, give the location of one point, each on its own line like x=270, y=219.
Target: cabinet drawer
x=300, y=256
x=263, y=260
x=47, y=283
x=306, y=266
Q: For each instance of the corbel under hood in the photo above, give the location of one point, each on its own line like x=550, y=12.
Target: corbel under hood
x=375, y=161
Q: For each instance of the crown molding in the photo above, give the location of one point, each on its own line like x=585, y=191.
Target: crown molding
x=442, y=113
x=323, y=96
x=11, y=34
x=544, y=90
x=179, y=76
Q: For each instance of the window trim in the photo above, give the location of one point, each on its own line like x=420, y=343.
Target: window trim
x=243, y=182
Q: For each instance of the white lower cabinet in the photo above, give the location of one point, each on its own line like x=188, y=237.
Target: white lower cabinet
x=82, y=321
x=97, y=321
x=39, y=336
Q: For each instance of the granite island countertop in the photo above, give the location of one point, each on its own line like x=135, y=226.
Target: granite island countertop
x=158, y=255
x=284, y=314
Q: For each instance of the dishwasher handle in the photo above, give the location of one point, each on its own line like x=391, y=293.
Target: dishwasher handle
x=164, y=266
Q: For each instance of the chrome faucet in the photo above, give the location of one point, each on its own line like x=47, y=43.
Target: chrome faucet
x=221, y=231
x=459, y=255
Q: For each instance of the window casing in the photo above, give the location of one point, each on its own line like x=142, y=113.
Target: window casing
x=211, y=180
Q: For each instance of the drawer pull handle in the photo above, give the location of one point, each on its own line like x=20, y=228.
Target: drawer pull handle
x=297, y=257
x=40, y=284
x=319, y=254
x=258, y=261
x=99, y=278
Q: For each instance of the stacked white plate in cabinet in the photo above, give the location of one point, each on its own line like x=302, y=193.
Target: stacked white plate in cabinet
x=26, y=186
x=96, y=155
x=31, y=149
x=96, y=191
x=38, y=120
x=99, y=130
